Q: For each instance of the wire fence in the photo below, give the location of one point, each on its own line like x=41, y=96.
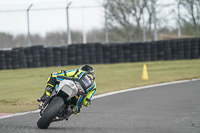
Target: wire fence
x=42, y=20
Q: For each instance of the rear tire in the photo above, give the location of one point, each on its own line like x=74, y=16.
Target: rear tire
x=50, y=113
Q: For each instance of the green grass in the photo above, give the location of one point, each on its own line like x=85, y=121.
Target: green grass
x=20, y=88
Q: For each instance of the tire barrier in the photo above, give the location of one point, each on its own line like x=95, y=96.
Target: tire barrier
x=134, y=55
x=174, y=50
x=57, y=56
x=154, y=51
x=160, y=50
x=15, y=58
x=64, y=56
x=194, y=49
x=106, y=54
x=187, y=49
x=42, y=56
x=140, y=51
x=120, y=54
x=22, y=58
x=2, y=60
x=167, y=50
x=71, y=55
x=147, y=52
x=8, y=59
x=179, y=49
x=92, y=53
x=78, y=54
x=97, y=53
x=85, y=54
x=29, y=59
x=49, y=56
x=113, y=53
x=35, y=52
x=127, y=52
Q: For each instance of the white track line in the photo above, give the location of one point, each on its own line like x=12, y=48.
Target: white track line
x=110, y=93
x=18, y=114
x=143, y=87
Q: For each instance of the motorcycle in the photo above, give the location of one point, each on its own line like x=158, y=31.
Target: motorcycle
x=59, y=105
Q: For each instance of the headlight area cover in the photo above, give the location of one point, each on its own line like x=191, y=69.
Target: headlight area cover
x=68, y=88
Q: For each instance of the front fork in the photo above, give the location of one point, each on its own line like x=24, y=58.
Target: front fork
x=44, y=105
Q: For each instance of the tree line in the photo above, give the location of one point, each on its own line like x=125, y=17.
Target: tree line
x=127, y=21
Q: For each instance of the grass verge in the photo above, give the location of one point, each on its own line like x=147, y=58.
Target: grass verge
x=20, y=88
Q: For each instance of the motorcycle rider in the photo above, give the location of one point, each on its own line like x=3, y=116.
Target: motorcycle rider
x=85, y=73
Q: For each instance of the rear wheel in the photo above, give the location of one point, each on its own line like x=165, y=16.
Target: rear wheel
x=50, y=113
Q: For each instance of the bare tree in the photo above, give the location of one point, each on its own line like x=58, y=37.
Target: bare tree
x=190, y=16
x=128, y=16
x=6, y=40
x=95, y=35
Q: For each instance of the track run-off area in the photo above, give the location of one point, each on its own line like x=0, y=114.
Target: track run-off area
x=172, y=107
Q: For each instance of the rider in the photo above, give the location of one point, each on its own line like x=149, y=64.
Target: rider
x=83, y=97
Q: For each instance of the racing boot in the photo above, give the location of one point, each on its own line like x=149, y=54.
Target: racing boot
x=46, y=94
x=51, y=82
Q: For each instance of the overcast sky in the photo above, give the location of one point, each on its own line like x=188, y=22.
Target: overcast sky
x=42, y=21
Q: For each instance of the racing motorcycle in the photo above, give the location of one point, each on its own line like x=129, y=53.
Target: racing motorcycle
x=59, y=105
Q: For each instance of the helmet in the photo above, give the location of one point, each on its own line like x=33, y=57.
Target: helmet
x=88, y=69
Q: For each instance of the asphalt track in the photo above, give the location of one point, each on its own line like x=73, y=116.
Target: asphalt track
x=171, y=108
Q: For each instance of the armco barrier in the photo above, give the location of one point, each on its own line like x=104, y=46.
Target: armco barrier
x=97, y=53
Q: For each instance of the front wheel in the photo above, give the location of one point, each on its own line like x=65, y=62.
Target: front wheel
x=50, y=113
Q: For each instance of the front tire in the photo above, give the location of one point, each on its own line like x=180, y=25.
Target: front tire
x=50, y=113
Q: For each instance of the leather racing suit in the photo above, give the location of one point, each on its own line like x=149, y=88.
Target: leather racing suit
x=86, y=81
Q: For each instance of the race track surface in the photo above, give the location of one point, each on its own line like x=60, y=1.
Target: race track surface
x=164, y=109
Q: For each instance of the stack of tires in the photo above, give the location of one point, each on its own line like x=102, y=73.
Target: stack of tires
x=167, y=50
x=64, y=56
x=42, y=56
x=160, y=48
x=49, y=56
x=179, y=49
x=140, y=51
x=8, y=59
x=134, y=55
x=154, y=51
x=29, y=59
x=35, y=51
x=71, y=54
x=187, y=48
x=173, y=46
x=120, y=53
x=92, y=53
x=106, y=54
x=147, y=52
x=85, y=54
x=198, y=41
x=15, y=58
x=127, y=52
x=113, y=53
x=22, y=58
x=99, y=53
x=78, y=54
x=2, y=60
x=57, y=56
x=194, y=48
